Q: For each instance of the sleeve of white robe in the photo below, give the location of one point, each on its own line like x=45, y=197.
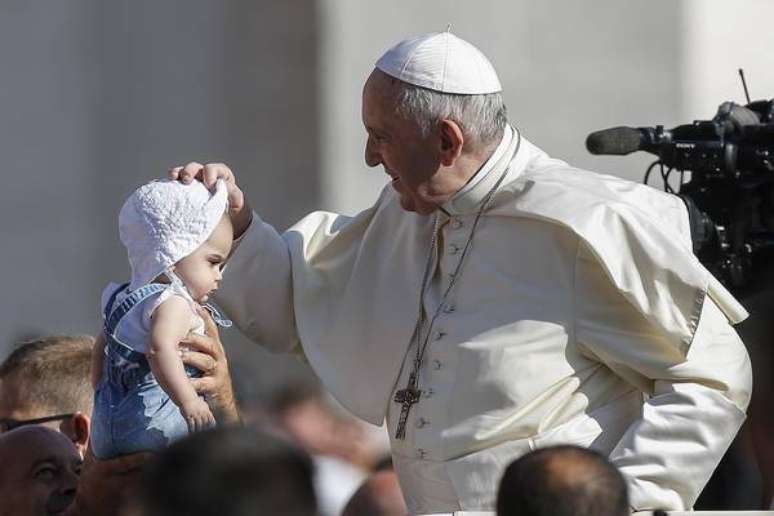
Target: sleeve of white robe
x=695, y=404
x=256, y=288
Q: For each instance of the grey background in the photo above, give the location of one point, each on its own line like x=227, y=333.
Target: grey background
x=98, y=97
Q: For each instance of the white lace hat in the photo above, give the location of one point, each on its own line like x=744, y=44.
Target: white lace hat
x=164, y=221
x=441, y=62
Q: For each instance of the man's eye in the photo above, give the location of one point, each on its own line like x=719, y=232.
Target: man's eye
x=45, y=473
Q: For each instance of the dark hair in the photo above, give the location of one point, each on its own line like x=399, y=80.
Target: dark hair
x=54, y=371
x=378, y=495
x=294, y=394
x=230, y=472
x=562, y=481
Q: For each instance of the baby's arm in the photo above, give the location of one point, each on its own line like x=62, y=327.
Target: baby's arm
x=171, y=322
x=97, y=357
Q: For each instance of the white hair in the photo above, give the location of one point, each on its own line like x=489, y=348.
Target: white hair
x=481, y=118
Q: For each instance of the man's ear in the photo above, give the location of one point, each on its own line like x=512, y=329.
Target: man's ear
x=77, y=428
x=452, y=141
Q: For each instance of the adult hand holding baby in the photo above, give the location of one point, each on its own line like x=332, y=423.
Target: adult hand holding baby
x=238, y=208
x=206, y=353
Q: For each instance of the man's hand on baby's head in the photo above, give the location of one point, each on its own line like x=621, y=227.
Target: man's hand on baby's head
x=238, y=209
x=208, y=174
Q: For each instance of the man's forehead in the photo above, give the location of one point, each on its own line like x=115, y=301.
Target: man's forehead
x=380, y=84
x=13, y=402
x=379, y=100
x=30, y=445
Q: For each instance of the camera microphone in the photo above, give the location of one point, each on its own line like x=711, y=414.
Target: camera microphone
x=618, y=141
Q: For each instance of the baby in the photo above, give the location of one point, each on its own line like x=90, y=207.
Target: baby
x=177, y=237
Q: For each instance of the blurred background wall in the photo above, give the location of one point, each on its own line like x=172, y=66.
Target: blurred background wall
x=97, y=97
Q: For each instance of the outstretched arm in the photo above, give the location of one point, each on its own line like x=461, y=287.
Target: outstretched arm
x=170, y=324
x=256, y=287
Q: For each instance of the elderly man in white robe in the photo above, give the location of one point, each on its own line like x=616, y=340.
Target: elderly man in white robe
x=494, y=300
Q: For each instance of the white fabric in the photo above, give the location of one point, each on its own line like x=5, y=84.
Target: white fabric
x=710, y=513
x=335, y=481
x=580, y=296
x=134, y=329
x=459, y=513
x=441, y=62
x=164, y=221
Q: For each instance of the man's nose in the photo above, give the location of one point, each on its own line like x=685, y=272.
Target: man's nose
x=69, y=481
x=63, y=497
x=372, y=157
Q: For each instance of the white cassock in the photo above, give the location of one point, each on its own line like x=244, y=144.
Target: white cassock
x=579, y=316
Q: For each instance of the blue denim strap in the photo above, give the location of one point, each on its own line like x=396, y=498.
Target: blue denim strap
x=109, y=305
x=113, y=316
x=219, y=318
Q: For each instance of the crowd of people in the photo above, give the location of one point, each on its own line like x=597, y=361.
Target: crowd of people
x=302, y=457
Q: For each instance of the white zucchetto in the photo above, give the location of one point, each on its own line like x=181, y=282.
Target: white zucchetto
x=441, y=62
x=165, y=221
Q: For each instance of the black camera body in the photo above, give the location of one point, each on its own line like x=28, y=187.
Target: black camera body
x=726, y=179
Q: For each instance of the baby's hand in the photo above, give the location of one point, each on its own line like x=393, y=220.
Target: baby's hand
x=198, y=415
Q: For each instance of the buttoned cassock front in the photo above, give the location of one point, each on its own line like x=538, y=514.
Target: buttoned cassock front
x=579, y=316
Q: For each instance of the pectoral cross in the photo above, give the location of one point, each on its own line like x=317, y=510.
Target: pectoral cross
x=406, y=397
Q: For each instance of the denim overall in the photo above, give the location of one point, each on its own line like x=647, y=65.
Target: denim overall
x=132, y=412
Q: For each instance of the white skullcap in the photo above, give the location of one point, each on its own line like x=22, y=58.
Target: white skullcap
x=441, y=62
x=165, y=221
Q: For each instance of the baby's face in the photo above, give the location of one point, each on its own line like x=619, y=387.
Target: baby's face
x=200, y=270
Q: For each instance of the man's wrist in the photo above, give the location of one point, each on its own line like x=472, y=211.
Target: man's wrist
x=242, y=221
x=227, y=413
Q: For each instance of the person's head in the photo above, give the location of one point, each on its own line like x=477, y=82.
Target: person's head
x=314, y=421
x=431, y=122
x=201, y=271
x=562, y=481
x=175, y=231
x=48, y=379
x=379, y=495
x=229, y=472
x=39, y=473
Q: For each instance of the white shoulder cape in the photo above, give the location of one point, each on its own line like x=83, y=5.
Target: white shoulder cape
x=355, y=281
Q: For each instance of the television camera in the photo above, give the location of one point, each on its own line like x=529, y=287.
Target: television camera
x=725, y=170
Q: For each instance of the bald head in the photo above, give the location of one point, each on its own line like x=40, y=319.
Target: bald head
x=380, y=495
x=40, y=472
x=562, y=481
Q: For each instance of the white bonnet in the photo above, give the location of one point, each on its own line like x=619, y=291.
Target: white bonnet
x=164, y=221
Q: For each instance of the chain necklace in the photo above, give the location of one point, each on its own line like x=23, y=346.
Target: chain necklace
x=410, y=395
